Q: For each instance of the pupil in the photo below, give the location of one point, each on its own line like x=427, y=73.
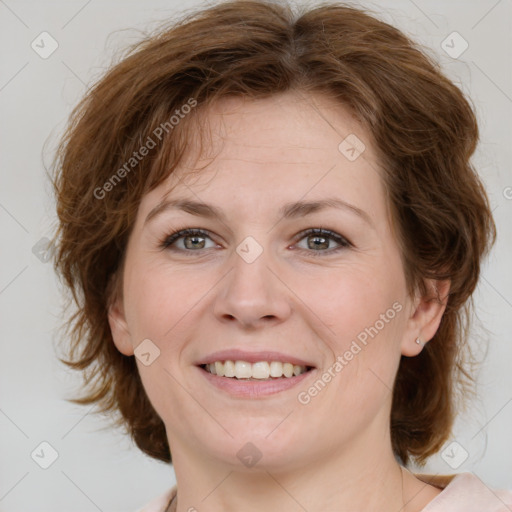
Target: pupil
x=194, y=239
x=316, y=245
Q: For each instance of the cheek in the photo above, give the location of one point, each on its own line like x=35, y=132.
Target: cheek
x=160, y=297
x=352, y=299
x=163, y=307
x=362, y=306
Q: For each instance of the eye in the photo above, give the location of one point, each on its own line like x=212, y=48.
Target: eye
x=319, y=240
x=192, y=239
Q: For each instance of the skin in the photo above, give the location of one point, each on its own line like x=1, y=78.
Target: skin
x=333, y=453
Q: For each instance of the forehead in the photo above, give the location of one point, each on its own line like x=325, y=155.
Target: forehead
x=283, y=148
x=286, y=126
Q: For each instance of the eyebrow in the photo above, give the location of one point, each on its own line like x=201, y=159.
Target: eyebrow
x=287, y=211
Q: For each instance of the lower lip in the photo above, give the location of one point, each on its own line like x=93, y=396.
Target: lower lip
x=254, y=388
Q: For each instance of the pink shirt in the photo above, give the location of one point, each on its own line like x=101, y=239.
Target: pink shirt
x=461, y=493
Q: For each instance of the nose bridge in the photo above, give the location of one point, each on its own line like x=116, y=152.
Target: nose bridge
x=250, y=294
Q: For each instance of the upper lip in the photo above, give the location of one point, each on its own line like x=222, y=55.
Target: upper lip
x=252, y=357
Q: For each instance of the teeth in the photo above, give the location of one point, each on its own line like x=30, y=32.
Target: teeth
x=243, y=370
x=288, y=369
x=229, y=369
x=276, y=369
x=261, y=370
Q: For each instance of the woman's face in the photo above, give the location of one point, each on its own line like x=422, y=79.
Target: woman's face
x=256, y=285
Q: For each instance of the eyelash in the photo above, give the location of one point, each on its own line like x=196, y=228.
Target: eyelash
x=325, y=233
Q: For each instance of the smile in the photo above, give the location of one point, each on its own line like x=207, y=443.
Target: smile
x=261, y=370
x=254, y=380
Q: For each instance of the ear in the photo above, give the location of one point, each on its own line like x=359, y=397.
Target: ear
x=118, y=325
x=425, y=317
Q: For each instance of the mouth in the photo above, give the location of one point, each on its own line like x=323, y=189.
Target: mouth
x=258, y=380
x=253, y=375
x=258, y=371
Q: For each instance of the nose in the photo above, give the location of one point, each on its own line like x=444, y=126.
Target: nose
x=251, y=295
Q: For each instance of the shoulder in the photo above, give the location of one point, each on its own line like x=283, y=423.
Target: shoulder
x=160, y=503
x=465, y=492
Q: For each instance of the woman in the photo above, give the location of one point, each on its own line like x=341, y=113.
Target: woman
x=272, y=230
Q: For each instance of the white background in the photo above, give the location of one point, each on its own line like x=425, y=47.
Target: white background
x=100, y=469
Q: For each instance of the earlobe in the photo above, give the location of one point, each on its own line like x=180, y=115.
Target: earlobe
x=425, y=318
x=119, y=328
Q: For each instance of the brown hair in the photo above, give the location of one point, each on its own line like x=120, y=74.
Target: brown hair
x=422, y=127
